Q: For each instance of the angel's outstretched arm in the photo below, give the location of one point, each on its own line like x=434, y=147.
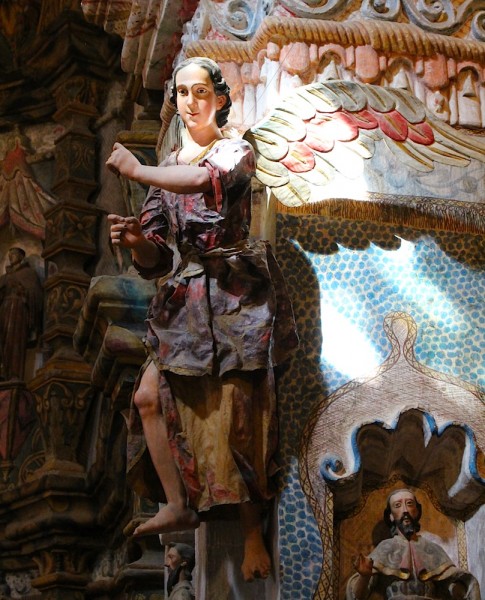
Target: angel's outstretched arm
x=180, y=179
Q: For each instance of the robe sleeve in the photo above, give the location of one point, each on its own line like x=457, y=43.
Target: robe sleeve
x=231, y=166
x=156, y=229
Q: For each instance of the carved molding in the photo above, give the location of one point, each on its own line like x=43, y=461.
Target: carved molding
x=237, y=19
x=151, y=31
x=402, y=378
x=434, y=17
x=79, y=92
x=64, y=300
x=112, y=305
x=401, y=38
x=445, y=73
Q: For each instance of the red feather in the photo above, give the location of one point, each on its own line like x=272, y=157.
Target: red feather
x=299, y=158
x=340, y=126
x=393, y=124
x=421, y=133
x=364, y=119
x=315, y=139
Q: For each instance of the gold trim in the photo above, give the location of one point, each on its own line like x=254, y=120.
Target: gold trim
x=199, y=156
x=411, y=211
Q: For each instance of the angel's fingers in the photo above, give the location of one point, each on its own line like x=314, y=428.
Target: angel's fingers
x=117, y=231
x=117, y=237
x=117, y=228
x=115, y=218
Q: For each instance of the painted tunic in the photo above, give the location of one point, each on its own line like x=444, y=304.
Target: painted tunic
x=220, y=320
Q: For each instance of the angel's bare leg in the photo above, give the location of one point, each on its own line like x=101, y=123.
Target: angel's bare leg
x=175, y=515
x=256, y=562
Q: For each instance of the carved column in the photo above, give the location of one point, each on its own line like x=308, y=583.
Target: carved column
x=16, y=421
x=62, y=388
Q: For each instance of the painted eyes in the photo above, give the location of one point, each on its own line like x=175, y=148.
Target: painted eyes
x=408, y=504
x=197, y=92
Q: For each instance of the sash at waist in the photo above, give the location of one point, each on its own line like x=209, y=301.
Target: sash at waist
x=191, y=263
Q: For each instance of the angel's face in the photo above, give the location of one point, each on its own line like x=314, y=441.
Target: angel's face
x=197, y=101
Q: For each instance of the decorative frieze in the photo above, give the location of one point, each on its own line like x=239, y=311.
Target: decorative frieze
x=445, y=73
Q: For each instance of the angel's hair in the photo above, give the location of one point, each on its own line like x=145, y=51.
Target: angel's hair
x=220, y=86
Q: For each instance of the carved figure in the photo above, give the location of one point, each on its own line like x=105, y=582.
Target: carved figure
x=180, y=561
x=220, y=322
x=408, y=565
x=21, y=298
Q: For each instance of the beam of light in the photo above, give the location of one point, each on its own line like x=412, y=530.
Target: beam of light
x=415, y=286
x=344, y=346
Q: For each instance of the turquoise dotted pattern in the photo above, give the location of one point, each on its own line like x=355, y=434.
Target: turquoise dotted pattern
x=344, y=277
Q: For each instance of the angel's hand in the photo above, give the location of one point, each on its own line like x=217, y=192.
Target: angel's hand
x=125, y=231
x=123, y=162
x=363, y=565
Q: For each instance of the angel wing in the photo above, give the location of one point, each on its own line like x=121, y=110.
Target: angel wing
x=326, y=127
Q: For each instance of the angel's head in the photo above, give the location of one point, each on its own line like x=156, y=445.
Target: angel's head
x=220, y=86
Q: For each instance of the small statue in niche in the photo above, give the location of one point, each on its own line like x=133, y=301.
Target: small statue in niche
x=21, y=299
x=408, y=565
x=180, y=562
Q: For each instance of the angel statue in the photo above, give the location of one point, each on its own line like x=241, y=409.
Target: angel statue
x=203, y=429
x=204, y=405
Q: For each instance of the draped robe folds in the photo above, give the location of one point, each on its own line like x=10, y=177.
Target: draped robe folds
x=416, y=569
x=220, y=321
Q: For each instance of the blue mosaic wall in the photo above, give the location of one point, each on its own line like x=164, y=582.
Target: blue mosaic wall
x=344, y=278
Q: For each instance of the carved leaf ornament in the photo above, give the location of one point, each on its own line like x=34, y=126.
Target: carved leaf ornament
x=436, y=16
x=322, y=128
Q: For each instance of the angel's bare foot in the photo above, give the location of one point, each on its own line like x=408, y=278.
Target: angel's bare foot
x=169, y=518
x=256, y=563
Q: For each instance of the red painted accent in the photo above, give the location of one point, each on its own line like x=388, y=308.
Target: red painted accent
x=393, y=124
x=300, y=158
x=421, y=133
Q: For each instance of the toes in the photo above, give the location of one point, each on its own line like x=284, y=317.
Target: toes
x=252, y=574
